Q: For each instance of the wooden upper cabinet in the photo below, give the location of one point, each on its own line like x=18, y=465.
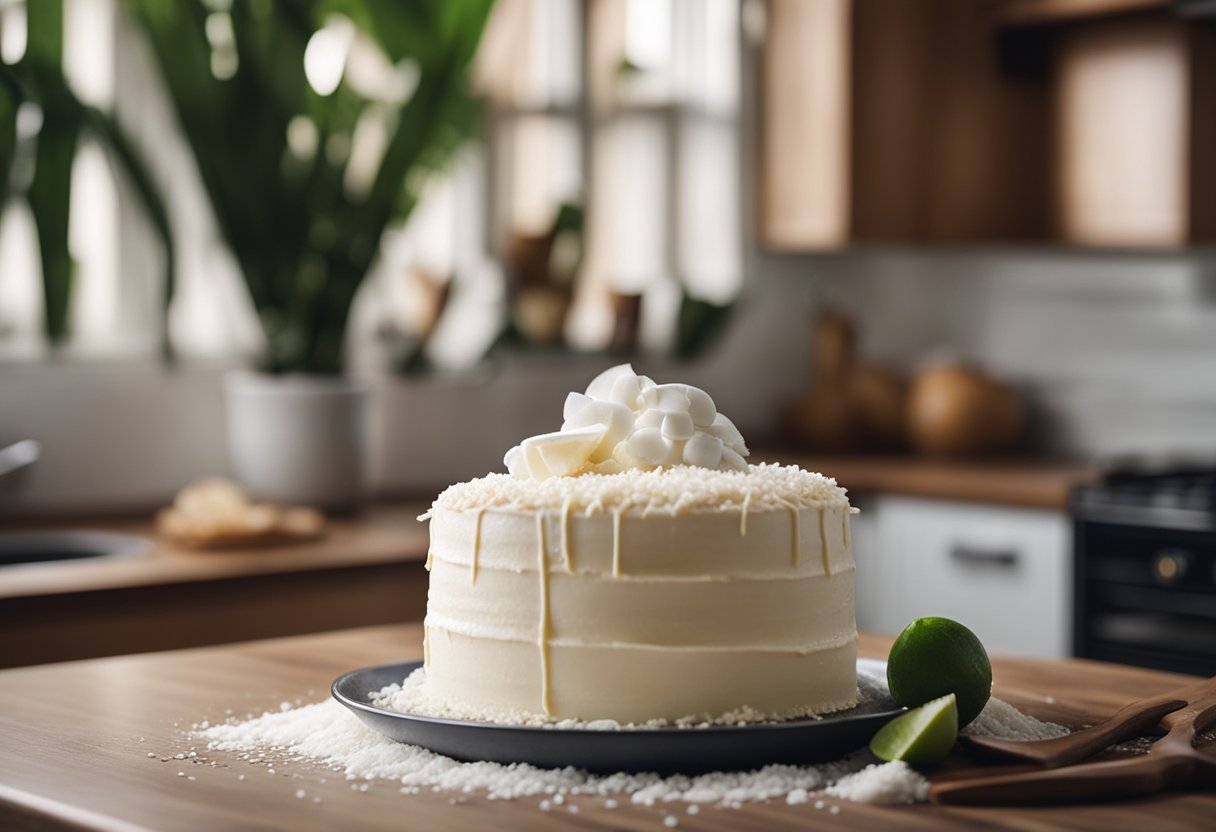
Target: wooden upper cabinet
x=1076, y=122
x=1134, y=105
x=806, y=135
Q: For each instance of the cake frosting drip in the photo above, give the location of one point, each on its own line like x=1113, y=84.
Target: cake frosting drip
x=625, y=421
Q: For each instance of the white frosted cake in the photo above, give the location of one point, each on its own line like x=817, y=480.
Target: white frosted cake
x=633, y=567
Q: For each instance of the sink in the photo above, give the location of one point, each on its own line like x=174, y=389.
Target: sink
x=17, y=548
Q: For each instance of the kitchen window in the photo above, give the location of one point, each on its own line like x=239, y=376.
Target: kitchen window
x=626, y=109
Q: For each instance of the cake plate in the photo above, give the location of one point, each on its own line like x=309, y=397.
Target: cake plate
x=663, y=750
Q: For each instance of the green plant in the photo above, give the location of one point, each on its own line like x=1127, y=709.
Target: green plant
x=698, y=323
x=37, y=80
x=9, y=96
x=275, y=154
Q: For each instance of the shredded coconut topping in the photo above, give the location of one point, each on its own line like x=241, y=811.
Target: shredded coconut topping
x=764, y=487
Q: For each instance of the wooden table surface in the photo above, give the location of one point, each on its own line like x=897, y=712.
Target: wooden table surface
x=81, y=747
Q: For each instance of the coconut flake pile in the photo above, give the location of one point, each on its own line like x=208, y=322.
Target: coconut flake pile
x=328, y=733
x=1003, y=721
x=764, y=487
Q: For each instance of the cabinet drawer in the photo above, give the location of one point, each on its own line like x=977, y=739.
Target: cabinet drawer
x=1005, y=573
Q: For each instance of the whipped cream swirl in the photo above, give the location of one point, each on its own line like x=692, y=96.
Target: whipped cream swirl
x=626, y=421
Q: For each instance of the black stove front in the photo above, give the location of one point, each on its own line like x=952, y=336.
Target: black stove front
x=1145, y=570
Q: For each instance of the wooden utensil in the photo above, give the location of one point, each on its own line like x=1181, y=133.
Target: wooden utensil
x=1134, y=720
x=1172, y=763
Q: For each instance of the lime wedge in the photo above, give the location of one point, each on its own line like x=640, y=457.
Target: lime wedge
x=920, y=737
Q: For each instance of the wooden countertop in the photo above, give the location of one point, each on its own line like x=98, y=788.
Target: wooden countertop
x=383, y=534
x=1041, y=484
x=76, y=740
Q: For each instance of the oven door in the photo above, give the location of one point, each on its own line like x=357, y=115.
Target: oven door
x=1146, y=596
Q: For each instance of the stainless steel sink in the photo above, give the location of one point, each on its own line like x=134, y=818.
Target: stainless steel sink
x=19, y=548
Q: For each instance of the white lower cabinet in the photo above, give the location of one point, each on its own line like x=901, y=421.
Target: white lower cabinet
x=863, y=533
x=1006, y=573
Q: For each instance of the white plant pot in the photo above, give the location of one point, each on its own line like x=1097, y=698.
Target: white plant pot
x=301, y=440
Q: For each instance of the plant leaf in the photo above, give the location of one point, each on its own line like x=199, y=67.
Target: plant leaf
x=10, y=99
x=124, y=158
x=304, y=244
x=50, y=194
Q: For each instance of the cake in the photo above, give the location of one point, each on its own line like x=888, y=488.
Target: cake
x=633, y=567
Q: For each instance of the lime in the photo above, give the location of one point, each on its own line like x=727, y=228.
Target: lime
x=921, y=736
x=936, y=656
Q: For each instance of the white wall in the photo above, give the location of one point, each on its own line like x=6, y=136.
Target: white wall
x=115, y=435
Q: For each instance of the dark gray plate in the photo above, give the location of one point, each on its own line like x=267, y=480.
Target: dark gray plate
x=665, y=750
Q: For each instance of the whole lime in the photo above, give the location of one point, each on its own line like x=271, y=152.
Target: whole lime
x=934, y=657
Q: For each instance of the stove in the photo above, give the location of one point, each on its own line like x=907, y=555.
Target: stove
x=1145, y=569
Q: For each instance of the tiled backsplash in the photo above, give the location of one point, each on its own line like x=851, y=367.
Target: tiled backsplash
x=1117, y=352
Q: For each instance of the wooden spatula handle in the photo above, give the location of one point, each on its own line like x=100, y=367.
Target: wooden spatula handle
x=1092, y=782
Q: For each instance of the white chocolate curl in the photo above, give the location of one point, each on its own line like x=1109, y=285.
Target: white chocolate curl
x=627, y=421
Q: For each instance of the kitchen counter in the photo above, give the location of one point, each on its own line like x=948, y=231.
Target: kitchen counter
x=77, y=740
x=1011, y=482
x=384, y=533
x=367, y=569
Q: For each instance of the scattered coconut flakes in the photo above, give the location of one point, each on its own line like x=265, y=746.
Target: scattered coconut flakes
x=1001, y=720
x=764, y=487
x=328, y=733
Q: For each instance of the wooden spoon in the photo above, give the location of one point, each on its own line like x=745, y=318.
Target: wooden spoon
x=1172, y=763
x=1134, y=720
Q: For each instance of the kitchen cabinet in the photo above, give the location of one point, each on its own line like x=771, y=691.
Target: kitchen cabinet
x=1075, y=122
x=367, y=569
x=1032, y=12
x=895, y=123
x=1135, y=122
x=870, y=580
x=1004, y=572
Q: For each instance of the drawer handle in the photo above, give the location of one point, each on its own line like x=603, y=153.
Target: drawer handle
x=974, y=556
